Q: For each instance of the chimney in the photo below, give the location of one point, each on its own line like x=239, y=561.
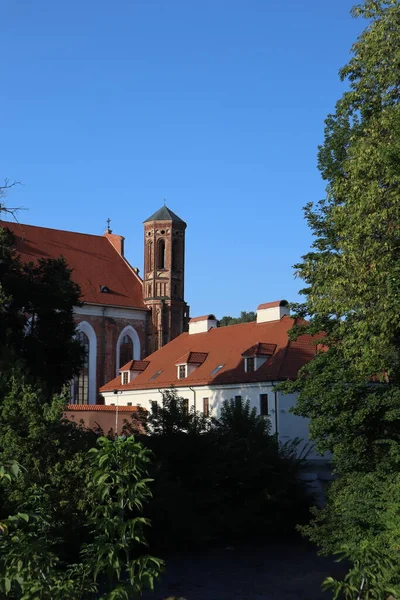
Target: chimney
x=116, y=240
x=272, y=311
x=202, y=324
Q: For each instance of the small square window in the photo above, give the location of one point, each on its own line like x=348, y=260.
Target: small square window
x=125, y=377
x=250, y=368
x=154, y=407
x=182, y=372
x=129, y=403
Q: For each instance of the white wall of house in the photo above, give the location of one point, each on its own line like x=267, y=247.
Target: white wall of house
x=289, y=426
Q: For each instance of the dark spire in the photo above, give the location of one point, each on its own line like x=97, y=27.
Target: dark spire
x=164, y=214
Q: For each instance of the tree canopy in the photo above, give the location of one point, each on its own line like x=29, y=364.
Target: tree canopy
x=351, y=391
x=36, y=317
x=245, y=317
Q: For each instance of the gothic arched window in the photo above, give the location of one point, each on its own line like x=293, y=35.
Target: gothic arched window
x=81, y=382
x=161, y=254
x=125, y=351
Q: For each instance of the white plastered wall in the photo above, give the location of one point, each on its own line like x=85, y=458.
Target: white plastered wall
x=289, y=426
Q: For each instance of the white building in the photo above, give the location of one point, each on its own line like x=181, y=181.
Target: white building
x=210, y=364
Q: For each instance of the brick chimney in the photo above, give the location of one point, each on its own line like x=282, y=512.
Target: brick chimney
x=116, y=240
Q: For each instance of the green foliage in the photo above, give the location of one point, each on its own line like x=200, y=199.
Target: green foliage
x=370, y=576
x=351, y=392
x=245, y=317
x=36, y=317
x=31, y=558
x=235, y=464
x=174, y=416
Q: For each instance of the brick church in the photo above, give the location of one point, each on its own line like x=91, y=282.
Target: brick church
x=123, y=316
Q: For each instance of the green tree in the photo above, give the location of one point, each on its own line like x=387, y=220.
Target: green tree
x=112, y=563
x=175, y=416
x=36, y=318
x=351, y=390
x=245, y=317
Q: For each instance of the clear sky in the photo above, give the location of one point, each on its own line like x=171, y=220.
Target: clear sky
x=107, y=108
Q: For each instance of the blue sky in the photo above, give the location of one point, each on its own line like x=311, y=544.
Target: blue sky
x=218, y=106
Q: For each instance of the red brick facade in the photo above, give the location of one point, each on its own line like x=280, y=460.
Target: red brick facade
x=164, y=280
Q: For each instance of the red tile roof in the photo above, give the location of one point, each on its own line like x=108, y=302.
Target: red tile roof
x=93, y=258
x=101, y=407
x=135, y=365
x=260, y=349
x=225, y=346
x=192, y=358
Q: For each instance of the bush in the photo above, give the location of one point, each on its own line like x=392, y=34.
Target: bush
x=231, y=482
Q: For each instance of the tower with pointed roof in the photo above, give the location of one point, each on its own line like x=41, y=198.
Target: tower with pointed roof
x=164, y=277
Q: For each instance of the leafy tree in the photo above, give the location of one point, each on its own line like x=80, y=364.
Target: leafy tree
x=112, y=562
x=36, y=317
x=238, y=466
x=245, y=317
x=351, y=390
x=175, y=416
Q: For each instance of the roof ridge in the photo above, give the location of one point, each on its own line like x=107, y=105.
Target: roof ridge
x=5, y=223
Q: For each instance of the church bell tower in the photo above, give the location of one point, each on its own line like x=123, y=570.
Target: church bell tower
x=164, y=277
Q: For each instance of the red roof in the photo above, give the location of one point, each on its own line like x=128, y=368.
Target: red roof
x=135, y=365
x=260, y=349
x=192, y=358
x=225, y=346
x=94, y=261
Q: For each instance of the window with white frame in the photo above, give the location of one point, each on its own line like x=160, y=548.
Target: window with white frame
x=181, y=371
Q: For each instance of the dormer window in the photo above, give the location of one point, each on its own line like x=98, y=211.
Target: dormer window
x=189, y=362
x=250, y=364
x=257, y=355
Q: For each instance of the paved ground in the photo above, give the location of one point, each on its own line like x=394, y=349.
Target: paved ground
x=286, y=572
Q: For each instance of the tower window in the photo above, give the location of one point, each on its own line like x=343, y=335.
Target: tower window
x=175, y=255
x=161, y=254
x=150, y=256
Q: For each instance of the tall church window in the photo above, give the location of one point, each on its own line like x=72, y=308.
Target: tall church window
x=81, y=382
x=125, y=351
x=161, y=254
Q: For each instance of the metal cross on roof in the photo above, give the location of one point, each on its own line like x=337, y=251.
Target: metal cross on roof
x=108, y=225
